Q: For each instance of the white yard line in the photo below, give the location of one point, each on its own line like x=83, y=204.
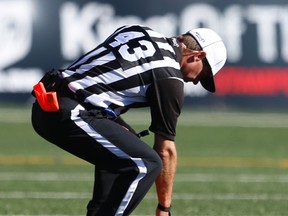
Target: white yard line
x=44, y=195
x=131, y=215
x=231, y=196
x=45, y=176
x=44, y=215
x=176, y=196
x=67, y=215
x=188, y=117
x=182, y=161
x=238, y=178
x=234, y=119
x=181, y=177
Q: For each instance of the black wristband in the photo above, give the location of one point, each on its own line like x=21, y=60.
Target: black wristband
x=162, y=208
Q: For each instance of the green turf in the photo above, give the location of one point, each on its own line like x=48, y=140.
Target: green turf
x=233, y=164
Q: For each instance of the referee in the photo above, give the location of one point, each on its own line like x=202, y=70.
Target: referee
x=79, y=109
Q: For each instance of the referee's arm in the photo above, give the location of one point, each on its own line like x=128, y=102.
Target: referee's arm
x=164, y=183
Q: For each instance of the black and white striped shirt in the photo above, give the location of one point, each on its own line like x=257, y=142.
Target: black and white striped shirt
x=133, y=67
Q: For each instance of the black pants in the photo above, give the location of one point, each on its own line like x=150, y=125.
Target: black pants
x=125, y=167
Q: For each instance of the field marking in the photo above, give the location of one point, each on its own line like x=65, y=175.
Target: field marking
x=234, y=162
x=180, y=177
x=237, y=178
x=131, y=215
x=67, y=215
x=187, y=118
x=40, y=160
x=44, y=195
x=42, y=215
x=182, y=161
x=150, y=196
x=46, y=176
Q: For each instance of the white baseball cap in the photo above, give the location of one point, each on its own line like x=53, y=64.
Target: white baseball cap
x=216, y=53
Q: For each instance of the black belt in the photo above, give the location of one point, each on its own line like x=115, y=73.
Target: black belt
x=54, y=82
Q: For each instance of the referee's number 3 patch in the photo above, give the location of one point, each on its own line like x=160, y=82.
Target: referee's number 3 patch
x=132, y=47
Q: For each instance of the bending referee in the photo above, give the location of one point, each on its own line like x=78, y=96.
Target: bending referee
x=79, y=109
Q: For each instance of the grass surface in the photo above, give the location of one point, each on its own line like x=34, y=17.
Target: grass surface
x=230, y=164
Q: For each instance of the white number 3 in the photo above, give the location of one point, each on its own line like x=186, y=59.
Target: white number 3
x=143, y=50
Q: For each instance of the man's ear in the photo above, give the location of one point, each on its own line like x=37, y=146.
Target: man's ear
x=201, y=54
x=197, y=55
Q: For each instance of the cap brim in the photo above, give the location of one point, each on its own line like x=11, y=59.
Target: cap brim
x=208, y=83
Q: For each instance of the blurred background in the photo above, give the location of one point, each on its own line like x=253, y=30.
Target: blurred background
x=232, y=145
x=38, y=35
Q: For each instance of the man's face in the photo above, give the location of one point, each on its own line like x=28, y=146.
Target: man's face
x=193, y=68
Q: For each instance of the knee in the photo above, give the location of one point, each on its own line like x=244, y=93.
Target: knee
x=155, y=164
x=151, y=166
